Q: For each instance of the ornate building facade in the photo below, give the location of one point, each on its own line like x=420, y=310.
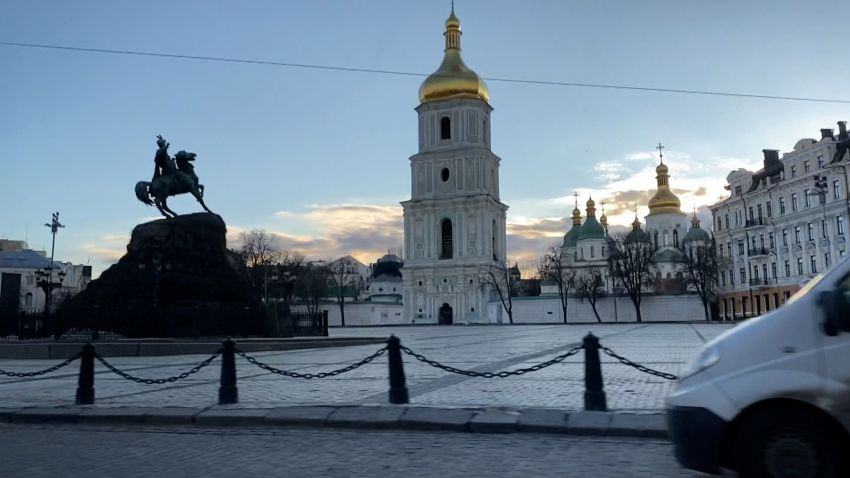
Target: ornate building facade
x=782, y=225
x=454, y=222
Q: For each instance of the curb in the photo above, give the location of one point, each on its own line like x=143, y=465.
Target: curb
x=401, y=417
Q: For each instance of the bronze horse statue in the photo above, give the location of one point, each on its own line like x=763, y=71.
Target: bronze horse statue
x=170, y=179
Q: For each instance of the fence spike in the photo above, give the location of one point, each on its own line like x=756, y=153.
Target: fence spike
x=85, y=384
x=398, y=388
x=227, y=391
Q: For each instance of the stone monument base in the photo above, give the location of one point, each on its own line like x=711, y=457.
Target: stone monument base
x=178, y=279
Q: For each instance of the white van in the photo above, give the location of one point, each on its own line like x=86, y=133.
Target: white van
x=771, y=397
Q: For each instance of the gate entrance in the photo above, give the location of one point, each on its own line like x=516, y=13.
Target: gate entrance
x=445, y=316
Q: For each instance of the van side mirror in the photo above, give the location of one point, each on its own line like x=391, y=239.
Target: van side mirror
x=836, y=310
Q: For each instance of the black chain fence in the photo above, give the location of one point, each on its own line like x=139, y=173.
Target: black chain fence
x=503, y=374
x=41, y=372
x=642, y=368
x=157, y=381
x=309, y=376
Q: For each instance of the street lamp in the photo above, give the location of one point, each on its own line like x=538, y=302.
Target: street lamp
x=54, y=226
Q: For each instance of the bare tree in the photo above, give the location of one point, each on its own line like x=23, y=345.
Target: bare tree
x=590, y=285
x=285, y=274
x=259, y=253
x=699, y=270
x=311, y=285
x=497, y=279
x=631, y=260
x=343, y=279
x=553, y=265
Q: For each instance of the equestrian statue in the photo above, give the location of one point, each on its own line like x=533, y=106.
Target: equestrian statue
x=170, y=178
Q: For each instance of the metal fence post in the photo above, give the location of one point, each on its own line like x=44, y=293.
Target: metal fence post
x=398, y=388
x=324, y=323
x=85, y=384
x=594, y=395
x=227, y=392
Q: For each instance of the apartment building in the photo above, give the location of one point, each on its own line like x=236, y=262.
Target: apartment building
x=782, y=225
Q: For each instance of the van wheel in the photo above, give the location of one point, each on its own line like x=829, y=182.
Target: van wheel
x=787, y=443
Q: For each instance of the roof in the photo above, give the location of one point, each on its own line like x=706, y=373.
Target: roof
x=571, y=236
x=591, y=229
x=696, y=233
x=668, y=255
x=25, y=259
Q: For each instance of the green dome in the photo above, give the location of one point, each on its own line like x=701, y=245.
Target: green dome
x=571, y=236
x=696, y=234
x=591, y=229
x=637, y=235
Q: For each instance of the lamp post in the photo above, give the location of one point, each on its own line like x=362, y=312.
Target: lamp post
x=54, y=226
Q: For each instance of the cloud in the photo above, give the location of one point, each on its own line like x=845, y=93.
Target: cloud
x=610, y=170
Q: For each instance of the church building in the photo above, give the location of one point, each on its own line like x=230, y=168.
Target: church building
x=454, y=221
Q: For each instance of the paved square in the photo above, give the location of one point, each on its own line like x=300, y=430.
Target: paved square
x=665, y=347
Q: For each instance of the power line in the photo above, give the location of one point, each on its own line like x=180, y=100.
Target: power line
x=408, y=73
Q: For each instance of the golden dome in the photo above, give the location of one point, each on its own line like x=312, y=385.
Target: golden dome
x=664, y=201
x=576, y=216
x=453, y=79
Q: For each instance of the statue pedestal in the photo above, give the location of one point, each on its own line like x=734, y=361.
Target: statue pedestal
x=178, y=279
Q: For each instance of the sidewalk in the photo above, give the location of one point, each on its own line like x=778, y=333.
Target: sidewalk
x=405, y=417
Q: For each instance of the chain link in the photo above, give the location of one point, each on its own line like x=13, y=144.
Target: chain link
x=503, y=374
x=41, y=372
x=642, y=368
x=157, y=381
x=310, y=376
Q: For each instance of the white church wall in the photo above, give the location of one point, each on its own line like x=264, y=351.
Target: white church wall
x=672, y=308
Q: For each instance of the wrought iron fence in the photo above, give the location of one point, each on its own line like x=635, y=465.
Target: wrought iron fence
x=309, y=324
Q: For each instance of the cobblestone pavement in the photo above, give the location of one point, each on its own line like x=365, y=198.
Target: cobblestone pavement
x=74, y=451
x=666, y=347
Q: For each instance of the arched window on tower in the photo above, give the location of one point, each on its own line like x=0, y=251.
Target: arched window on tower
x=676, y=237
x=495, y=253
x=446, y=239
x=445, y=128
x=486, y=133
x=655, y=235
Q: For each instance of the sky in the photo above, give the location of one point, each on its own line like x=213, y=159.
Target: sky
x=320, y=158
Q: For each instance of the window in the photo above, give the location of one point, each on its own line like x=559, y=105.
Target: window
x=493, y=240
x=445, y=128
x=839, y=225
x=785, y=237
x=761, y=240
x=444, y=174
x=796, y=234
x=760, y=215
x=676, y=237
x=806, y=166
x=807, y=196
x=740, y=247
x=772, y=242
x=764, y=271
x=727, y=220
x=836, y=189
x=729, y=249
x=755, y=275
x=823, y=228
x=720, y=251
x=731, y=277
x=811, y=231
x=813, y=261
x=743, y=275
x=751, y=213
x=447, y=242
x=794, y=202
x=793, y=170
x=826, y=259
x=799, y=266
x=723, y=280
x=820, y=161
x=787, y=269
x=738, y=190
x=719, y=224
x=781, y=205
x=773, y=269
x=769, y=206
x=592, y=252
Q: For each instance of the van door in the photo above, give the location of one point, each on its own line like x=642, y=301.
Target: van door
x=836, y=351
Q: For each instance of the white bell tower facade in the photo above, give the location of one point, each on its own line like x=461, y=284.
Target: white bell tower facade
x=454, y=222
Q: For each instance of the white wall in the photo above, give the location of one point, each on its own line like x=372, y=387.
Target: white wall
x=671, y=308
x=364, y=313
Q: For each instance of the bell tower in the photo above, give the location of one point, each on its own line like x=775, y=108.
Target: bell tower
x=454, y=222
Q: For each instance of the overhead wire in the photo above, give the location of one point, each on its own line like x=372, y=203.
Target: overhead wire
x=415, y=74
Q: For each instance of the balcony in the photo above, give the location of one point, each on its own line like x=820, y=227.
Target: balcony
x=757, y=251
x=759, y=282
x=756, y=222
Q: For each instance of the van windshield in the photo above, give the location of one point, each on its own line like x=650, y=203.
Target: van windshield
x=806, y=288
